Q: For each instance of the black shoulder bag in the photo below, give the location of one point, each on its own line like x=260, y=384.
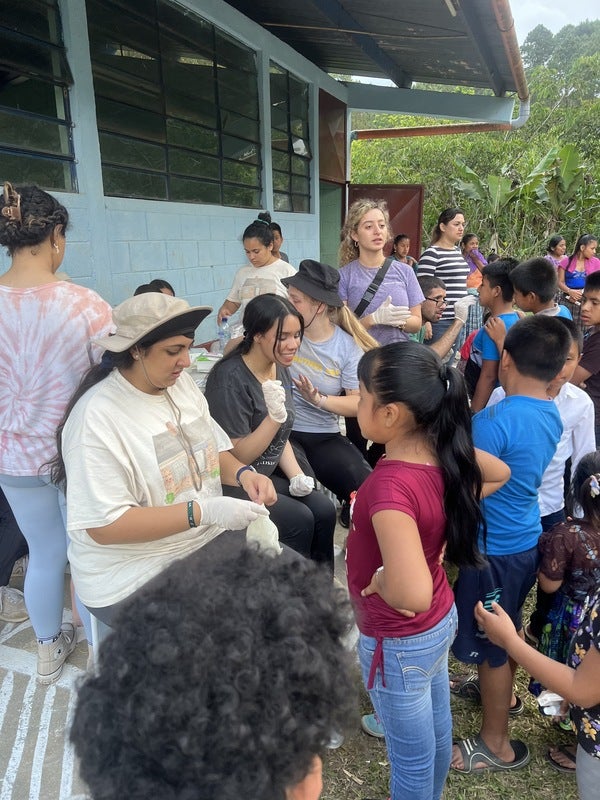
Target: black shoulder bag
x=373, y=286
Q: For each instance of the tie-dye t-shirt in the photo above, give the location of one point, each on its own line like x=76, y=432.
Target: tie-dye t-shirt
x=45, y=349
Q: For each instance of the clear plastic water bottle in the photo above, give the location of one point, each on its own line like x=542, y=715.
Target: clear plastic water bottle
x=223, y=335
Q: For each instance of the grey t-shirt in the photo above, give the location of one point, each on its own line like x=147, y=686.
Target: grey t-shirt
x=330, y=366
x=236, y=402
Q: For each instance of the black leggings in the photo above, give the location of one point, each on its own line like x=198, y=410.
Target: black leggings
x=306, y=524
x=335, y=461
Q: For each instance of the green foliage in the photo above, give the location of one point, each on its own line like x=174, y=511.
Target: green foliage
x=516, y=188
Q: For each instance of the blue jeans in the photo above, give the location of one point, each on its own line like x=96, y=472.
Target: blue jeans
x=414, y=707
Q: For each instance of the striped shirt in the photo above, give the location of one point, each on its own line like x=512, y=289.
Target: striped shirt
x=449, y=266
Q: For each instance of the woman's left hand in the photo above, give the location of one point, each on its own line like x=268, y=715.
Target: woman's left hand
x=373, y=588
x=309, y=392
x=259, y=488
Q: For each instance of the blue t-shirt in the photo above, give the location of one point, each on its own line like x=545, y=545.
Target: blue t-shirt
x=523, y=432
x=489, y=351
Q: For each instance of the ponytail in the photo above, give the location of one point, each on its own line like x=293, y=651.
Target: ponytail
x=436, y=395
x=349, y=322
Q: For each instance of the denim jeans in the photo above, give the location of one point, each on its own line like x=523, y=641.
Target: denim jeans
x=414, y=707
x=588, y=774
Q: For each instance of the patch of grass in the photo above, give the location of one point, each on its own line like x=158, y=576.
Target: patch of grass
x=360, y=768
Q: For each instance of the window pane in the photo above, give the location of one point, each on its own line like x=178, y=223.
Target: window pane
x=189, y=191
x=235, y=172
x=238, y=91
x=33, y=19
x=34, y=58
x=281, y=181
x=203, y=112
x=49, y=173
x=279, y=140
x=241, y=126
x=120, y=118
x=300, y=185
x=131, y=152
x=40, y=97
x=282, y=202
x=183, y=133
x=238, y=196
x=300, y=166
x=300, y=204
x=230, y=53
x=281, y=161
x=185, y=162
x=192, y=29
x=30, y=133
x=240, y=150
x=128, y=183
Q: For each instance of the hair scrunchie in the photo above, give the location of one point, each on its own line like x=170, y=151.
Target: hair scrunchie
x=444, y=374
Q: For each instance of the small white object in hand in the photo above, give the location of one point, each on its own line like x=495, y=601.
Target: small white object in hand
x=263, y=533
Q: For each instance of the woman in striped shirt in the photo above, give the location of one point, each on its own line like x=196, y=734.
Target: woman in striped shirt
x=443, y=259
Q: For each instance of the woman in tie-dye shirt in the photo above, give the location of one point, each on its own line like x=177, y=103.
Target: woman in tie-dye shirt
x=45, y=329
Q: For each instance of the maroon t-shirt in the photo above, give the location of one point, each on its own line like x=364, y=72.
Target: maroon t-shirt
x=418, y=491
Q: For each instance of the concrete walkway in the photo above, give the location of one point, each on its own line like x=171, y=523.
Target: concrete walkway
x=36, y=760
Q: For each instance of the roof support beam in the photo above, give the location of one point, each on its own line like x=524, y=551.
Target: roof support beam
x=479, y=37
x=444, y=105
x=340, y=18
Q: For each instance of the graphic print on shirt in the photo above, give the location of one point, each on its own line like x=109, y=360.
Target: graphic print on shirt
x=177, y=456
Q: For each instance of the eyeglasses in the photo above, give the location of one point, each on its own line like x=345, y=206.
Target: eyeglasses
x=439, y=301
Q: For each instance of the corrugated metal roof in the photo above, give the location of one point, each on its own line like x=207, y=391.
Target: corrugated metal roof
x=404, y=40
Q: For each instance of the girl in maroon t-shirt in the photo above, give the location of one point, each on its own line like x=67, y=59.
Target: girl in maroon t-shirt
x=420, y=502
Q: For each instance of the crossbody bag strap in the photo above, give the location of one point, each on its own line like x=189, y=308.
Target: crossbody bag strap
x=371, y=289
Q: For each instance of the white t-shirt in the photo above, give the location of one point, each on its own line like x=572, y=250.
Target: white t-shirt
x=576, y=411
x=122, y=449
x=330, y=366
x=251, y=281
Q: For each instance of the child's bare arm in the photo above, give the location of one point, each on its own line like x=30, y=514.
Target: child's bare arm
x=494, y=473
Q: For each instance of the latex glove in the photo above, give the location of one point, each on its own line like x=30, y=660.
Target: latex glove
x=301, y=485
x=263, y=534
x=229, y=513
x=388, y=314
x=462, y=306
x=274, y=395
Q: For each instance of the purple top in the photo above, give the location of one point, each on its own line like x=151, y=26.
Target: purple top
x=472, y=265
x=400, y=283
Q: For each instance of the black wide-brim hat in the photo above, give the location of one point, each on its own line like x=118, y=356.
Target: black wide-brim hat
x=317, y=280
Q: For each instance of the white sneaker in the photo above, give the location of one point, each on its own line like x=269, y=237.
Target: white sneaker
x=12, y=605
x=53, y=655
x=20, y=567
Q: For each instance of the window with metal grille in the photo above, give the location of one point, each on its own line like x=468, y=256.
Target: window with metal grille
x=35, y=126
x=290, y=142
x=176, y=104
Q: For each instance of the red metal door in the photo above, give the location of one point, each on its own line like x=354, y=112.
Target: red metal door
x=405, y=204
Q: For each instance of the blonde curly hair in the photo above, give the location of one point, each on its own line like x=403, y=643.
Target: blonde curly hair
x=348, y=250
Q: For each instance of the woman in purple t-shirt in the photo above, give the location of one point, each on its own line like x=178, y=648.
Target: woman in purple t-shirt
x=394, y=310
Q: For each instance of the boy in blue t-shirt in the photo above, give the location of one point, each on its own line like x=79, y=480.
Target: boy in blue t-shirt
x=535, y=284
x=523, y=431
x=495, y=294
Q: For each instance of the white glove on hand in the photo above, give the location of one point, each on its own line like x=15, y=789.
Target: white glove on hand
x=274, y=395
x=229, y=513
x=301, y=485
x=388, y=314
x=462, y=306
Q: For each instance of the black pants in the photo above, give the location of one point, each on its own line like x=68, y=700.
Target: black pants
x=306, y=524
x=335, y=461
x=372, y=453
x=12, y=542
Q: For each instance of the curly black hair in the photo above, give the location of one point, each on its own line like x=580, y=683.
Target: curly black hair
x=223, y=678
x=41, y=213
